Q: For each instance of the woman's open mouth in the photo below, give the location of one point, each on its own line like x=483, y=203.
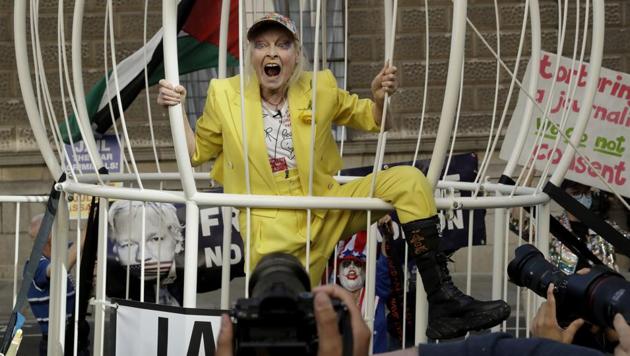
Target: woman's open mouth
x=272, y=69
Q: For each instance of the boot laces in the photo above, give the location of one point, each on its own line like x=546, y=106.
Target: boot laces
x=446, y=279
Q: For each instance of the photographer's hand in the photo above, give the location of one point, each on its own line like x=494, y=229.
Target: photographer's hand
x=545, y=324
x=623, y=330
x=226, y=336
x=327, y=329
x=326, y=317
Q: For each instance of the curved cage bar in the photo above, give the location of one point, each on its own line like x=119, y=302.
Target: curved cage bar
x=79, y=93
x=26, y=87
x=293, y=202
x=137, y=186
x=597, y=51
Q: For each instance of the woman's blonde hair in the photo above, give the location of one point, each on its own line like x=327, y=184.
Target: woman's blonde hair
x=301, y=65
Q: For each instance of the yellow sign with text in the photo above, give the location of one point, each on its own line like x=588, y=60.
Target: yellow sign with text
x=80, y=208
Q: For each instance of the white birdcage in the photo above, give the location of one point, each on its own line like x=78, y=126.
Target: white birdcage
x=485, y=195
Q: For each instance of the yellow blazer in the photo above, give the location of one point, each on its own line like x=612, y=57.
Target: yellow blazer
x=219, y=133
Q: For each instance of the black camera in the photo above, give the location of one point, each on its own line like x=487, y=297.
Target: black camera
x=595, y=296
x=278, y=317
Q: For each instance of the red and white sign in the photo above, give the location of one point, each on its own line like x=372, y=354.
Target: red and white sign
x=608, y=130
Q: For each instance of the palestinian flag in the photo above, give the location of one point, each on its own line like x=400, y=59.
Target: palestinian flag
x=198, y=23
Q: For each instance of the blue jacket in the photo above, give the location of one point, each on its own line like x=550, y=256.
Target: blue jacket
x=39, y=295
x=500, y=344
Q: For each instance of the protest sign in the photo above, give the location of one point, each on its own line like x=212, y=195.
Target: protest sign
x=107, y=147
x=110, y=155
x=164, y=250
x=152, y=329
x=603, y=142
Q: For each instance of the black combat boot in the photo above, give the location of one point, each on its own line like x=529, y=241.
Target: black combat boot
x=451, y=312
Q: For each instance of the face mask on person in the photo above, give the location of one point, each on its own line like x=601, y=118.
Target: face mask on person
x=584, y=199
x=351, y=276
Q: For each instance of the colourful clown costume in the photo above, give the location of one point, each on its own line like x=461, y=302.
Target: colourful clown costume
x=351, y=263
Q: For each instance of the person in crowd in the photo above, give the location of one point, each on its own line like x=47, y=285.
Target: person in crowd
x=492, y=344
x=278, y=113
x=390, y=271
x=39, y=295
x=351, y=266
x=162, y=239
x=597, y=202
x=351, y=269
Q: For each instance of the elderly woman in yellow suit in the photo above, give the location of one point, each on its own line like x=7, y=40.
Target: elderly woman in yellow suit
x=277, y=98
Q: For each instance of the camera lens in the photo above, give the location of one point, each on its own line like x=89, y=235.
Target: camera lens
x=596, y=295
x=278, y=317
x=530, y=269
x=606, y=293
x=278, y=271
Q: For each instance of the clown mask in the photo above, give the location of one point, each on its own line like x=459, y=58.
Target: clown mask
x=352, y=275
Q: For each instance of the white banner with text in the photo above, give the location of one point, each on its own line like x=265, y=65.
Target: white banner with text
x=605, y=139
x=152, y=329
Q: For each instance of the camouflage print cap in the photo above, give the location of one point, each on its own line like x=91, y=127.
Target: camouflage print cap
x=273, y=18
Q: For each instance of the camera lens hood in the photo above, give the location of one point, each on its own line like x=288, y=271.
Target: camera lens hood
x=281, y=267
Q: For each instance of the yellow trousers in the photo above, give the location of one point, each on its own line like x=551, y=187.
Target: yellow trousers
x=405, y=187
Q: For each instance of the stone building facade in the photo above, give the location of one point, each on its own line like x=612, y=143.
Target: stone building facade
x=21, y=166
